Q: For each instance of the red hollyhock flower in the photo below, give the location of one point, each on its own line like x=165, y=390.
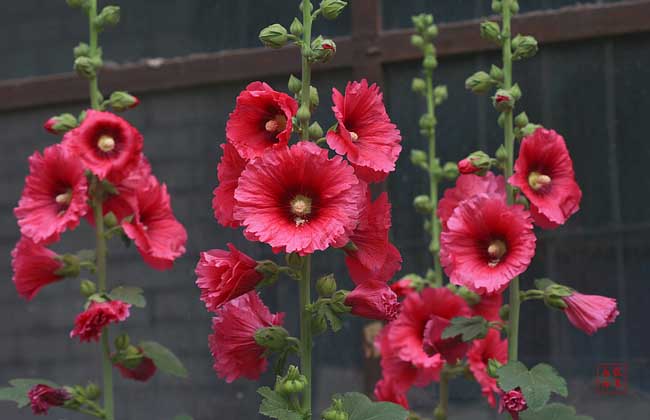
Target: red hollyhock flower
x=89, y=324
x=486, y=244
x=106, y=144
x=225, y=275
x=385, y=390
x=489, y=307
x=228, y=171
x=43, y=397
x=373, y=300
x=544, y=173
x=261, y=119
x=513, y=402
x=416, y=333
x=54, y=197
x=374, y=257
x=491, y=347
x=364, y=132
x=589, y=313
x=468, y=186
x=142, y=373
x=233, y=346
x=297, y=200
x=125, y=203
x=34, y=267
x=466, y=167
x=159, y=237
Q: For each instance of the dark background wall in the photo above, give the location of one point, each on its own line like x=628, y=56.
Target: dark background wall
x=594, y=92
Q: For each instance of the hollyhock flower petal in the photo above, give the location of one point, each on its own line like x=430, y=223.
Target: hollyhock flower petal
x=106, y=144
x=262, y=118
x=486, y=244
x=43, y=397
x=228, y=171
x=590, y=313
x=385, y=390
x=233, y=346
x=375, y=257
x=142, y=373
x=513, y=402
x=159, y=237
x=544, y=174
x=225, y=275
x=412, y=333
x=491, y=347
x=468, y=186
x=364, y=132
x=297, y=200
x=451, y=349
x=89, y=324
x=125, y=203
x=55, y=195
x=402, y=287
x=373, y=300
x=488, y=307
x=34, y=267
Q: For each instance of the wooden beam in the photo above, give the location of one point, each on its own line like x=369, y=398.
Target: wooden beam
x=364, y=51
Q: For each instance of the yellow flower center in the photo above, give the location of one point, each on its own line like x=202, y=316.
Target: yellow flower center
x=64, y=198
x=496, y=250
x=537, y=180
x=300, y=208
x=276, y=124
x=354, y=136
x=106, y=143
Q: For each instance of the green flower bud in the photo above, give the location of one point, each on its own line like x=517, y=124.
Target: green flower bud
x=92, y=391
x=110, y=220
x=431, y=32
x=479, y=82
x=497, y=6
x=440, y=94
x=121, y=101
x=314, y=100
x=514, y=7
x=326, y=285
x=529, y=129
x=523, y=47
x=515, y=91
x=323, y=50
x=272, y=338
x=61, y=124
x=477, y=162
x=422, y=204
x=450, y=171
x=293, y=260
x=331, y=9
x=490, y=31
x=429, y=49
x=109, y=16
x=439, y=414
x=521, y=120
x=417, y=41
x=470, y=297
x=420, y=158
x=87, y=288
x=268, y=268
x=504, y=312
x=295, y=85
x=430, y=63
x=71, y=266
x=335, y=411
x=501, y=154
x=427, y=122
x=81, y=50
x=418, y=85
x=85, y=67
x=496, y=73
x=501, y=120
x=427, y=19
x=503, y=100
x=296, y=27
x=303, y=114
x=492, y=367
x=274, y=36
x=122, y=341
x=315, y=131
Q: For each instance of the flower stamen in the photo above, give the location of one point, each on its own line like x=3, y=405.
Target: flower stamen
x=64, y=199
x=106, y=143
x=276, y=124
x=354, y=136
x=300, y=207
x=496, y=250
x=537, y=180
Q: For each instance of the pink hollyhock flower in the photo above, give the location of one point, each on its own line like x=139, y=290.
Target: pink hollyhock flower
x=297, y=200
x=34, y=267
x=261, y=119
x=54, y=197
x=364, y=132
x=544, y=173
x=159, y=237
x=43, y=397
x=106, y=144
x=481, y=351
x=374, y=257
x=489, y=307
x=513, y=402
x=233, y=346
x=466, y=167
x=486, y=244
x=225, y=275
x=416, y=333
x=385, y=390
x=468, y=186
x=402, y=287
x=125, y=203
x=373, y=300
x=145, y=370
x=89, y=324
x=589, y=313
x=228, y=171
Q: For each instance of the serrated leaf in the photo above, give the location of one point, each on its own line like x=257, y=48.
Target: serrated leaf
x=19, y=388
x=468, y=328
x=164, y=359
x=554, y=411
x=275, y=406
x=536, y=384
x=359, y=407
x=129, y=294
x=183, y=417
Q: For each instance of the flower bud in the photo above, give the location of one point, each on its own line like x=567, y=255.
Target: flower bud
x=439, y=414
x=315, y=131
x=71, y=266
x=431, y=32
x=417, y=41
x=450, y=171
x=272, y=338
x=294, y=85
x=501, y=154
x=296, y=27
x=515, y=91
x=326, y=285
x=419, y=158
x=476, y=162
x=504, y=312
x=87, y=288
x=496, y=73
x=440, y=94
x=497, y=6
x=61, y=124
x=422, y=204
x=122, y=341
x=92, y=391
x=529, y=129
x=554, y=296
x=430, y=63
x=503, y=100
x=293, y=260
x=335, y=411
x=470, y=297
x=274, y=36
x=479, y=82
x=85, y=67
x=523, y=47
x=267, y=268
x=427, y=122
x=323, y=50
x=303, y=114
x=314, y=100
x=121, y=101
x=490, y=31
x=110, y=220
x=521, y=120
x=81, y=50
x=109, y=16
x=492, y=367
x=418, y=85
x=331, y=9
x=514, y=7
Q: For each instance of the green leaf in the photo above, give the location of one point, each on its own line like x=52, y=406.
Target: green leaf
x=19, y=388
x=275, y=405
x=183, y=417
x=359, y=407
x=468, y=328
x=129, y=294
x=332, y=318
x=164, y=359
x=536, y=384
x=555, y=411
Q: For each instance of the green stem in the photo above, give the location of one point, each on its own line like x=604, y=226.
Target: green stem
x=443, y=405
x=433, y=182
x=92, y=16
x=305, y=330
x=306, y=65
x=509, y=137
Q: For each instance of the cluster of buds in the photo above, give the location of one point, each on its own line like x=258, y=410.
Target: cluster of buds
x=335, y=411
x=329, y=307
